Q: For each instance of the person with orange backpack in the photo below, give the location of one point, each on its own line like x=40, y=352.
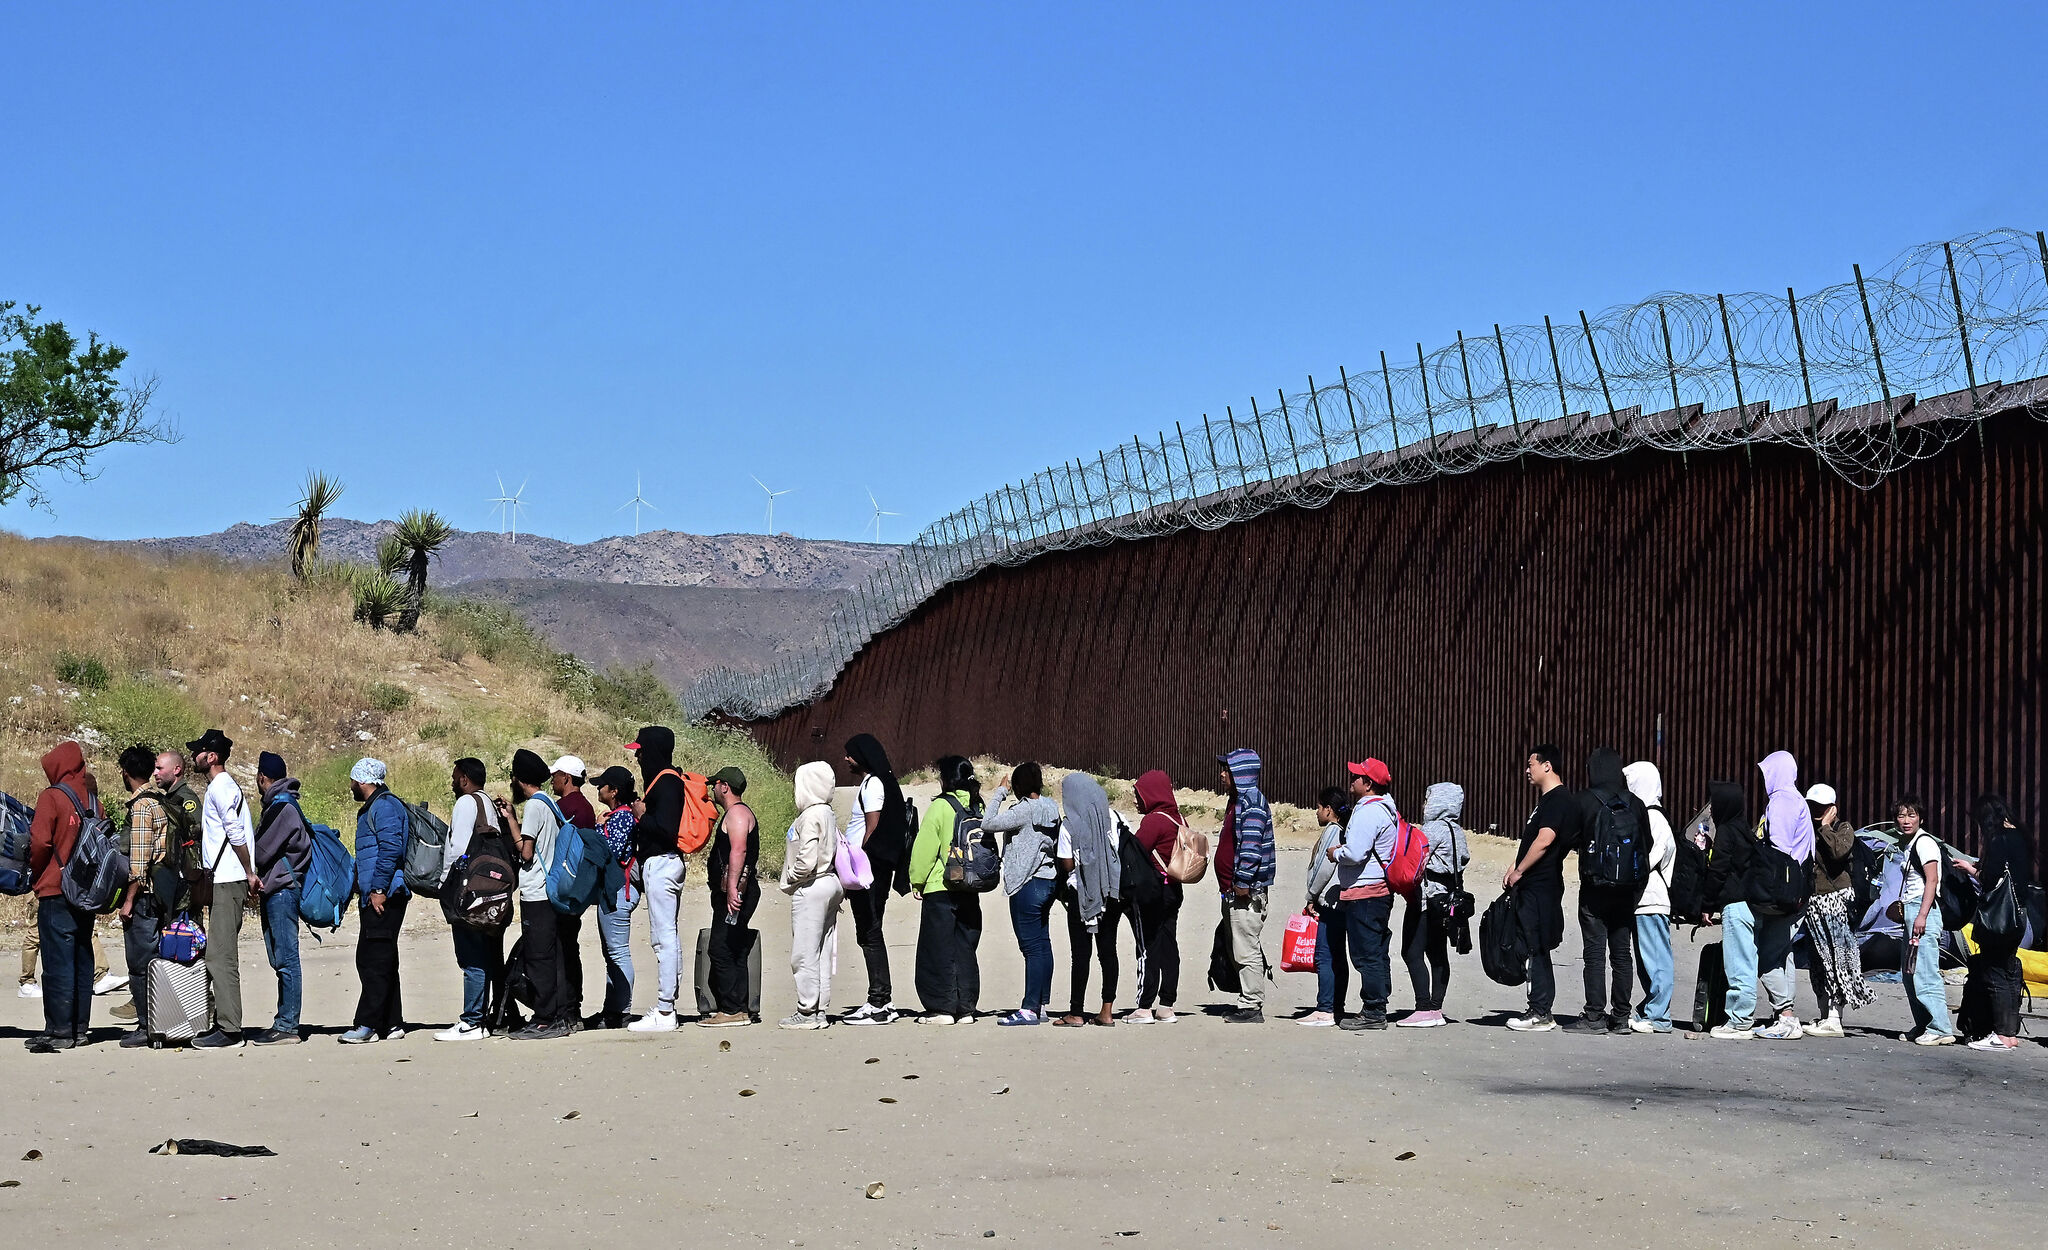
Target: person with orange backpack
x=662, y=867
x=1362, y=857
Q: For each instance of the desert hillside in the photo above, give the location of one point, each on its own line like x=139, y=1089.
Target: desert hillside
x=116, y=646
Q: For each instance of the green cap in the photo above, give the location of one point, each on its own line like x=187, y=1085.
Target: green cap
x=732, y=777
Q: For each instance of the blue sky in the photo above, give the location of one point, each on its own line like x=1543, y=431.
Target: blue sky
x=923, y=249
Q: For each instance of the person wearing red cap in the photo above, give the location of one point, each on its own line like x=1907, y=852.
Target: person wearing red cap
x=1361, y=858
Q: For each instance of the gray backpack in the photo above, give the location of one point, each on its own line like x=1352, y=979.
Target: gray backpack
x=97, y=871
x=426, y=850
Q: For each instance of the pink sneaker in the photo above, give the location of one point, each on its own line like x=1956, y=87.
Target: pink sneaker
x=1422, y=1020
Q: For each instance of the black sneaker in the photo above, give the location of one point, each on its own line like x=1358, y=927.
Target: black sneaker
x=134, y=1038
x=1360, y=1023
x=217, y=1040
x=541, y=1032
x=1617, y=1026
x=274, y=1037
x=1246, y=1015
x=1584, y=1024
x=44, y=1044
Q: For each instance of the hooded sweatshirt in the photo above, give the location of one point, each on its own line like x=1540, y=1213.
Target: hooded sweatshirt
x=1647, y=784
x=655, y=833
x=1443, y=807
x=934, y=838
x=53, y=832
x=1247, y=841
x=813, y=837
x=284, y=845
x=1604, y=773
x=1160, y=825
x=1734, y=846
x=1788, y=821
x=1092, y=835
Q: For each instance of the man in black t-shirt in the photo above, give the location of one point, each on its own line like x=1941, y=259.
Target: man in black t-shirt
x=1538, y=881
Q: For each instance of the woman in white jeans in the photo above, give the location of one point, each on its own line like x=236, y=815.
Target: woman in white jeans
x=814, y=896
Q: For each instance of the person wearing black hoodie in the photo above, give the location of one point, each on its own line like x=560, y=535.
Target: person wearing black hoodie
x=659, y=817
x=1728, y=865
x=1607, y=913
x=1991, y=996
x=881, y=821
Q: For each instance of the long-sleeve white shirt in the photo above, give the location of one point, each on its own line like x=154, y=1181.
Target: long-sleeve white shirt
x=224, y=823
x=462, y=824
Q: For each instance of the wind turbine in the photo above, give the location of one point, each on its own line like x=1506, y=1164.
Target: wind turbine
x=509, y=507
x=876, y=520
x=771, y=500
x=636, y=503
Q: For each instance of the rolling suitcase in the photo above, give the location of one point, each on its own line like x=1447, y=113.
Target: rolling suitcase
x=1710, y=991
x=180, y=1001
x=706, y=1005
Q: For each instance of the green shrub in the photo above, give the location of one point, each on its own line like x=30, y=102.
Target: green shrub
x=84, y=671
x=131, y=712
x=491, y=630
x=434, y=731
x=386, y=697
x=634, y=694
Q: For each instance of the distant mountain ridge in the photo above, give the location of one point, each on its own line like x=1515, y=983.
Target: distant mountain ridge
x=658, y=558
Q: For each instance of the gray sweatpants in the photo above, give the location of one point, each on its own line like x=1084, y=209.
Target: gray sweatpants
x=814, y=937
x=223, y=943
x=1247, y=928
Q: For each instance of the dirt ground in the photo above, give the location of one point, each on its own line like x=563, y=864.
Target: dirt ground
x=1201, y=1133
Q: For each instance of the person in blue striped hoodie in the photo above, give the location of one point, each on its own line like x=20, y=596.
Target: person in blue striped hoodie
x=1246, y=847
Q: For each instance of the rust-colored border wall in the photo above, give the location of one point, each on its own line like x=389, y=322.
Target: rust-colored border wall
x=1890, y=638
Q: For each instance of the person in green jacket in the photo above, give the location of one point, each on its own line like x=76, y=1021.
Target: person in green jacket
x=949, y=924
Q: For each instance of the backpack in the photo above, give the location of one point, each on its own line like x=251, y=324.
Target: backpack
x=576, y=877
x=1957, y=897
x=1777, y=884
x=972, y=861
x=1137, y=879
x=15, y=819
x=1503, y=951
x=1224, y=975
x=482, y=885
x=1616, y=852
x=1411, y=852
x=1689, y=871
x=1189, y=862
x=96, y=872
x=700, y=814
x=330, y=880
x=425, y=862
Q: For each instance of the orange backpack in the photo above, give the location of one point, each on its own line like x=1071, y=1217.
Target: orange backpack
x=700, y=814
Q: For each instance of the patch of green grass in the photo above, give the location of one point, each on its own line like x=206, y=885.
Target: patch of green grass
x=130, y=712
x=87, y=672
x=435, y=731
x=491, y=630
x=634, y=694
x=384, y=696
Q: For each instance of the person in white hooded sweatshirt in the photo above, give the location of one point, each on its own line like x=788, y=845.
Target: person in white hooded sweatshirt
x=1653, y=914
x=814, y=896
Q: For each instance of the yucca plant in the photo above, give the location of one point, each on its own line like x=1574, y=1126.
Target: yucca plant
x=303, y=541
x=378, y=596
x=391, y=556
x=421, y=533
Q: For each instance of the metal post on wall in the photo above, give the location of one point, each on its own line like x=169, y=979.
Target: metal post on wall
x=1244, y=478
x=1125, y=461
x=1507, y=375
x=1557, y=367
x=1884, y=387
x=1805, y=378
x=1108, y=494
x=1267, y=468
x=1394, y=422
x=1315, y=406
x=1166, y=464
x=1214, y=463
x=1357, y=438
x=1428, y=411
x=1670, y=357
x=1287, y=419
x=1948, y=251
x=1471, y=402
x=1194, y=484
x=1081, y=490
x=1594, y=350
x=1143, y=476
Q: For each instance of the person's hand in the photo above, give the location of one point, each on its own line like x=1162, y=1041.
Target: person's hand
x=639, y=809
x=1513, y=876
x=376, y=901
x=1969, y=870
x=1919, y=926
x=1331, y=854
x=1241, y=891
x=1712, y=917
x=128, y=906
x=255, y=886
x=1004, y=784
x=732, y=900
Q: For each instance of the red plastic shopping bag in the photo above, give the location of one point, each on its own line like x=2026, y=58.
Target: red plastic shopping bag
x=1298, y=946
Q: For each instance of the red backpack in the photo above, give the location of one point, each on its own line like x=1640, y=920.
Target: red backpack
x=1411, y=852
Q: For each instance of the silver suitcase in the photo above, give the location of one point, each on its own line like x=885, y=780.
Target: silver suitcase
x=180, y=1001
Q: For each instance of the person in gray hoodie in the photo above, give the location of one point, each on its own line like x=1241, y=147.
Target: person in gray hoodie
x=1426, y=920
x=284, y=850
x=1031, y=828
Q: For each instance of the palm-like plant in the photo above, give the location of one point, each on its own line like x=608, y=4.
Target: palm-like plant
x=391, y=555
x=303, y=541
x=377, y=596
x=422, y=533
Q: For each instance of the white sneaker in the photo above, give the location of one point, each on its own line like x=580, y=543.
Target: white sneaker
x=1830, y=1027
x=110, y=982
x=654, y=1022
x=1935, y=1039
x=1533, y=1024
x=1141, y=1015
x=803, y=1020
x=29, y=989
x=969, y=1018
x=1317, y=1020
x=1991, y=1042
x=1783, y=1029
x=1732, y=1033
x=461, y=1033
x=935, y=1018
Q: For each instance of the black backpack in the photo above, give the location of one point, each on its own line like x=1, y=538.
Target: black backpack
x=1503, y=951
x=1958, y=896
x=1223, y=972
x=1616, y=852
x=1776, y=884
x=1689, y=872
x=1137, y=879
x=973, y=865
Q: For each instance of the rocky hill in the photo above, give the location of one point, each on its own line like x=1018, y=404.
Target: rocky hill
x=659, y=558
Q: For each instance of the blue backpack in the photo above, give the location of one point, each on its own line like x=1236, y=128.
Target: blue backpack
x=576, y=877
x=15, y=819
x=330, y=881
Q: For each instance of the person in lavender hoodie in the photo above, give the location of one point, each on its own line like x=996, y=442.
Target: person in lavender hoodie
x=1756, y=947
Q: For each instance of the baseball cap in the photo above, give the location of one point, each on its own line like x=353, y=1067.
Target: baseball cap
x=732, y=777
x=1372, y=770
x=572, y=766
x=1823, y=794
x=617, y=777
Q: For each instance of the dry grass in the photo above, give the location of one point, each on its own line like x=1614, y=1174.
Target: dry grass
x=278, y=665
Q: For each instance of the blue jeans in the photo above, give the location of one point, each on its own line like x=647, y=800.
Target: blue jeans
x=1031, y=918
x=66, y=935
x=1333, y=973
x=281, y=944
x=615, y=929
x=481, y=956
x=1654, y=963
x=1925, y=993
x=1755, y=949
x=1366, y=928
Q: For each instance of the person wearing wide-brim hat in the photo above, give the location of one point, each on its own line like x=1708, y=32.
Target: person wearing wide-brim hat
x=227, y=857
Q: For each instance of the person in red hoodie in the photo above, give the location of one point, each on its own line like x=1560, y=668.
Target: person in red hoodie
x=1156, y=833
x=66, y=931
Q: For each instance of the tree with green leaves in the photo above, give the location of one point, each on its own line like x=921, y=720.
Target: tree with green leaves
x=422, y=533
x=61, y=402
x=303, y=541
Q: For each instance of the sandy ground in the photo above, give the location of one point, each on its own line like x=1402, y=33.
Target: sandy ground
x=1201, y=1132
